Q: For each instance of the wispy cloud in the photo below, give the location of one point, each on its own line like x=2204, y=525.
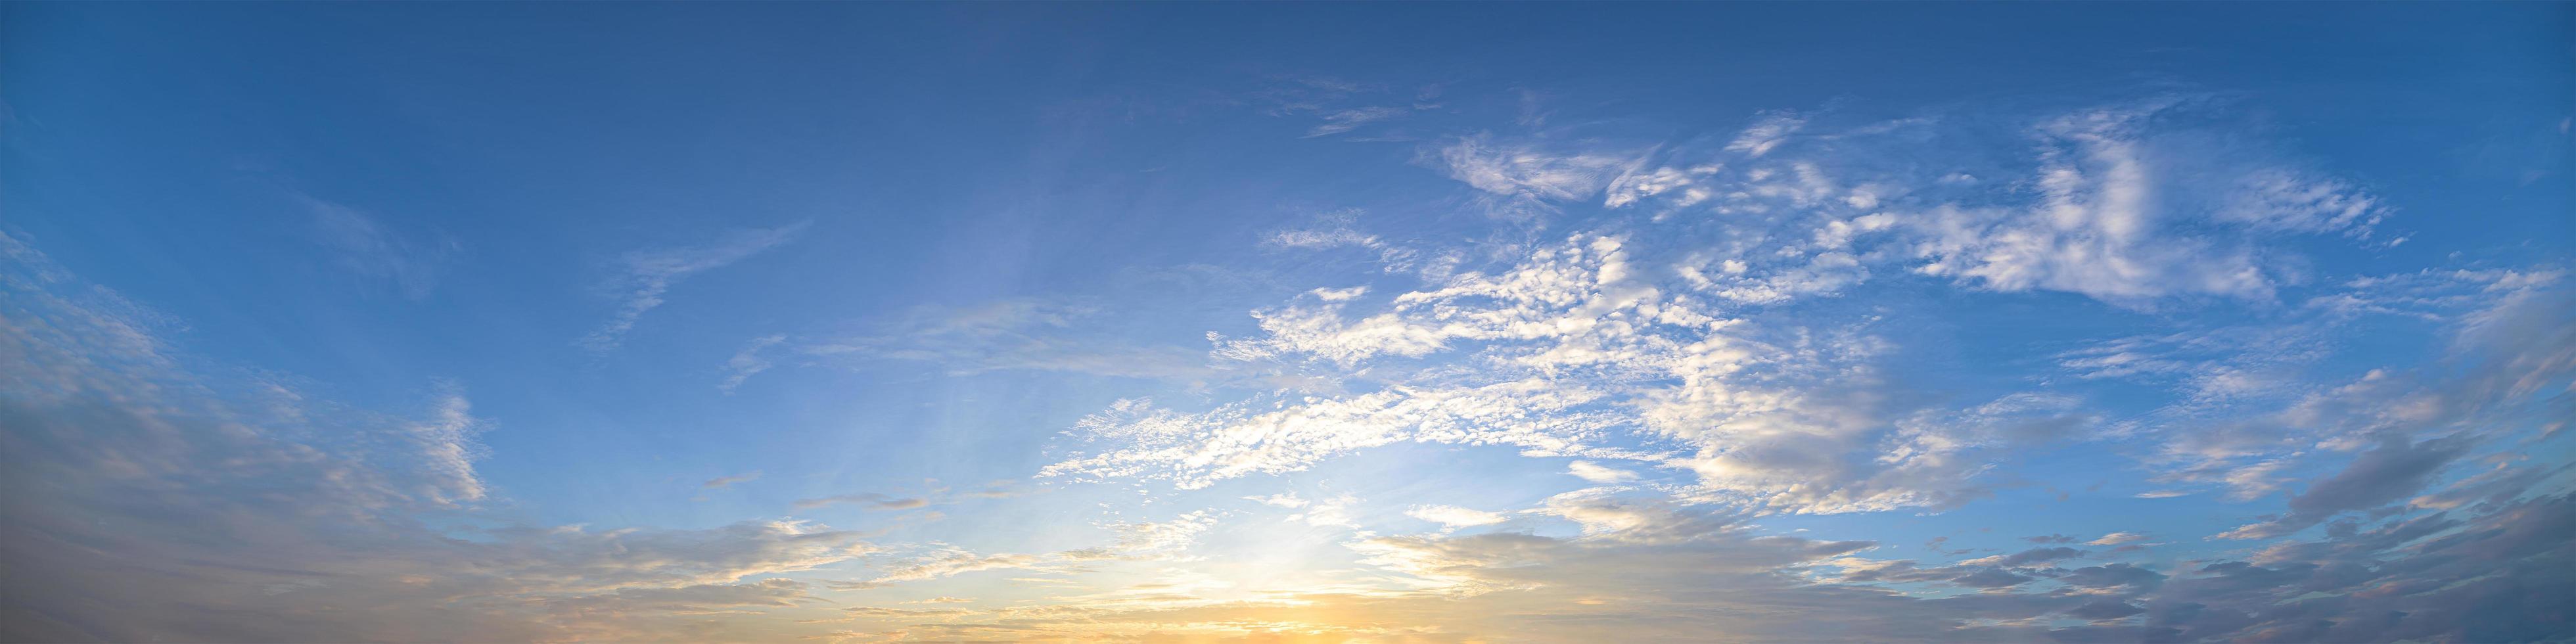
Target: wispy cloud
x=748, y=362
x=1339, y=121
x=1767, y=132
x=363, y=245
x=935, y=495
x=1023, y=334
x=869, y=500
x=645, y=275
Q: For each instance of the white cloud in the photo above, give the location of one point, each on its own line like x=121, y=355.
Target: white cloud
x=946, y=562
x=1159, y=540
x=1598, y=473
x=1334, y=511
x=1515, y=170
x=1281, y=500
x=1454, y=516
x=1580, y=350
x=1767, y=132
x=2120, y=203
x=1639, y=184
x=2126, y=205
x=2116, y=538
x=1339, y=294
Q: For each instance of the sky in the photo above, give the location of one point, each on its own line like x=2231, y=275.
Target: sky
x=1430, y=322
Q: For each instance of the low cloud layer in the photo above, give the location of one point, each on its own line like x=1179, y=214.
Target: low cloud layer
x=170, y=501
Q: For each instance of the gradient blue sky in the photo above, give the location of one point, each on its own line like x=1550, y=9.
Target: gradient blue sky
x=1425, y=322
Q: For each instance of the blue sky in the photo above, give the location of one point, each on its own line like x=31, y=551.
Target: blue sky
x=1436, y=322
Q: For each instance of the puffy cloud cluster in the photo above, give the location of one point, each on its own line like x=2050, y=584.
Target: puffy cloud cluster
x=1703, y=325
x=1580, y=351
x=2129, y=204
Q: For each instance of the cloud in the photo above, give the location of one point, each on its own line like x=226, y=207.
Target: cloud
x=1767, y=131
x=728, y=481
x=1339, y=121
x=903, y=613
x=1676, y=576
x=645, y=275
x=2421, y=418
x=1334, y=511
x=2026, y=557
x=1598, y=473
x=1008, y=335
x=1453, y=516
x=1725, y=320
x=1717, y=324
x=748, y=362
x=950, y=561
x=188, y=501
x=937, y=494
x=2392, y=472
x=1281, y=500
x=1579, y=348
x=363, y=245
x=1660, y=575
x=2134, y=204
x=1343, y=106
x=869, y=500
x=1524, y=177
x=1149, y=540
x=2116, y=538
x=2116, y=197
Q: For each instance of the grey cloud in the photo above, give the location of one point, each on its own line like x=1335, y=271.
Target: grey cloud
x=2393, y=471
x=869, y=500
x=2028, y=557
x=935, y=495
x=157, y=502
x=2104, y=609
x=2118, y=574
x=1989, y=578
x=2479, y=583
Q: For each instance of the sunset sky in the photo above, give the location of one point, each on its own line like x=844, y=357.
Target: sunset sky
x=1287, y=322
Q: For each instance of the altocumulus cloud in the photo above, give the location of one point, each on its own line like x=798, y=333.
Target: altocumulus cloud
x=1662, y=336
x=1703, y=357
